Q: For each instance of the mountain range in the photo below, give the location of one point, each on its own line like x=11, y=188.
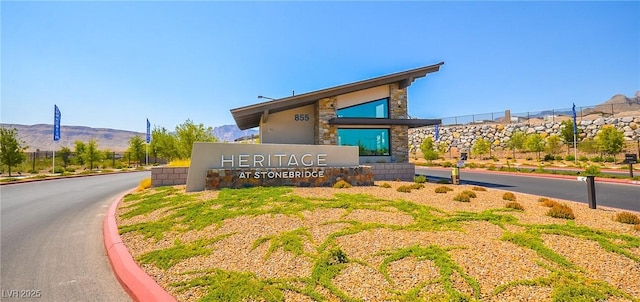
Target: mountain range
x=40, y=136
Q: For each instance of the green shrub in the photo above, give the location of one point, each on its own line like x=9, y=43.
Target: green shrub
x=569, y=158
x=549, y=157
x=592, y=170
x=71, y=169
x=420, y=179
x=596, y=159
x=443, y=189
x=482, y=189
x=609, y=159
x=583, y=158
x=416, y=186
x=341, y=184
x=514, y=205
x=462, y=197
x=627, y=217
x=471, y=194
x=471, y=165
x=447, y=164
x=385, y=185
x=337, y=256
x=58, y=170
x=404, y=189
x=509, y=196
x=561, y=211
x=444, y=181
x=559, y=157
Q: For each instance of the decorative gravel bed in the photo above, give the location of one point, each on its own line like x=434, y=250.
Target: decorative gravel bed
x=377, y=244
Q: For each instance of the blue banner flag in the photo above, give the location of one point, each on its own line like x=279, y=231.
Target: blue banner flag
x=56, y=123
x=437, y=132
x=575, y=125
x=148, y=131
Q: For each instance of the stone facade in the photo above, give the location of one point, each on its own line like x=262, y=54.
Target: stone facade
x=463, y=137
x=326, y=134
x=299, y=177
x=168, y=176
x=399, y=134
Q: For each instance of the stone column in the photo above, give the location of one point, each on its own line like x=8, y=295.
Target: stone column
x=325, y=133
x=399, y=134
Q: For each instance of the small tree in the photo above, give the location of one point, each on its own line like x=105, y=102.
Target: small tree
x=566, y=133
x=189, y=133
x=588, y=145
x=427, y=149
x=91, y=153
x=164, y=144
x=481, y=147
x=136, y=147
x=610, y=140
x=65, y=155
x=80, y=147
x=516, y=142
x=534, y=143
x=11, y=150
x=553, y=144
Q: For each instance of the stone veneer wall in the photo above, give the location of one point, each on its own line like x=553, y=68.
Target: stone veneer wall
x=463, y=137
x=241, y=178
x=168, y=176
x=399, y=134
x=326, y=134
x=393, y=171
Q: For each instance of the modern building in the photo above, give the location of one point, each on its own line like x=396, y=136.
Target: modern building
x=371, y=114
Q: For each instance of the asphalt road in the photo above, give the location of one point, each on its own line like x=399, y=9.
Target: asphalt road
x=51, y=238
x=621, y=196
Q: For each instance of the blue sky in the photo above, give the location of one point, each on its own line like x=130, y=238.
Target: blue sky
x=114, y=64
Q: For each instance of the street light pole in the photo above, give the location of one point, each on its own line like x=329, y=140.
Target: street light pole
x=266, y=97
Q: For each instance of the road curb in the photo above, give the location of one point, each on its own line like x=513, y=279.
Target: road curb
x=540, y=175
x=133, y=279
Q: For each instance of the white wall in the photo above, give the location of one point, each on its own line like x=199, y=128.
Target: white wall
x=362, y=96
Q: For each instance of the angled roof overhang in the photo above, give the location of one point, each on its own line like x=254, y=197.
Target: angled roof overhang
x=249, y=116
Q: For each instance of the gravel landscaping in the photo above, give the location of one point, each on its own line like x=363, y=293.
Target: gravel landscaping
x=377, y=244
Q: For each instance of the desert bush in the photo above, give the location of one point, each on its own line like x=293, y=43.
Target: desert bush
x=509, y=196
x=447, y=164
x=444, y=181
x=404, y=189
x=420, y=179
x=569, y=158
x=583, y=158
x=592, y=170
x=561, y=211
x=549, y=157
x=416, y=186
x=144, y=184
x=471, y=194
x=543, y=199
x=514, y=205
x=559, y=157
x=627, y=217
x=443, y=189
x=549, y=203
x=609, y=159
x=462, y=197
x=479, y=189
x=596, y=159
x=385, y=185
x=341, y=184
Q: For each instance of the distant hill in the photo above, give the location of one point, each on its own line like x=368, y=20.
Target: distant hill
x=228, y=133
x=40, y=136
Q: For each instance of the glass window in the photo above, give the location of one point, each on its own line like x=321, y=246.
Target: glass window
x=375, y=109
x=369, y=141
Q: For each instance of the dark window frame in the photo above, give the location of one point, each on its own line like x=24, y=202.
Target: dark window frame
x=388, y=113
x=388, y=130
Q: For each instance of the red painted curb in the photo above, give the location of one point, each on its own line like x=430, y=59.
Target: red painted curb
x=541, y=175
x=132, y=278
